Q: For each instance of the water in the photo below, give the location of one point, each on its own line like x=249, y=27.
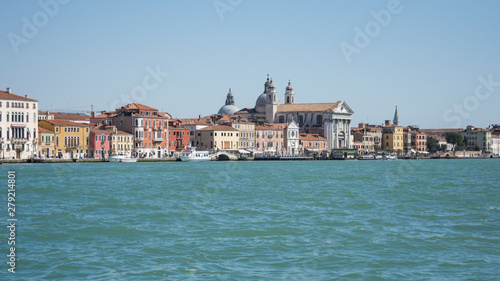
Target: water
x=310, y=220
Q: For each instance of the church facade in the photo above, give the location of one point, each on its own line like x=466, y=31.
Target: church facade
x=330, y=120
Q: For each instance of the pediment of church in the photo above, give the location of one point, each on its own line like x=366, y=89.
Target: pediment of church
x=343, y=108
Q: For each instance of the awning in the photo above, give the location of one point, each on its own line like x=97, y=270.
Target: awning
x=255, y=151
x=313, y=149
x=242, y=151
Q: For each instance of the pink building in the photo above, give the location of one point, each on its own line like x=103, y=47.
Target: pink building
x=269, y=138
x=100, y=143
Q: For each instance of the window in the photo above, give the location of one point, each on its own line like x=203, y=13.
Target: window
x=281, y=119
x=7, y=115
x=319, y=119
x=301, y=120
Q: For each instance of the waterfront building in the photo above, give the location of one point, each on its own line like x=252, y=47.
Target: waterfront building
x=313, y=143
x=229, y=107
x=291, y=138
x=269, y=138
x=46, y=143
x=100, y=143
x=331, y=120
x=148, y=126
x=367, y=137
x=178, y=135
x=246, y=129
x=217, y=137
x=392, y=137
x=414, y=140
x=495, y=146
x=194, y=124
x=122, y=142
x=71, y=139
x=477, y=137
x=18, y=126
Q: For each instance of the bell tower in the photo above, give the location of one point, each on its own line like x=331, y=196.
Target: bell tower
x=289, y=95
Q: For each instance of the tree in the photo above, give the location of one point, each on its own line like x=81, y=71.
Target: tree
x=433, y=145
x=477, y=148
x=455, y=139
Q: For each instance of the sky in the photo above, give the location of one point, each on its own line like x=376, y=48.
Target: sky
x=437, y=61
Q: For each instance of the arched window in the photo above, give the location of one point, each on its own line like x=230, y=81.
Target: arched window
x=301, y=120
x=281, y=119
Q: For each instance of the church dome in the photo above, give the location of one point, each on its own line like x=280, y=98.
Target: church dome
x=228, y=109
x=260, y=104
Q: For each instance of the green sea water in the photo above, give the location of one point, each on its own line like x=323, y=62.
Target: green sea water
x=304, y=220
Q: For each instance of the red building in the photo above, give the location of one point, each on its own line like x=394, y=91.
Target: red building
x=178, y=135
x=100, y=143
x=149, y=127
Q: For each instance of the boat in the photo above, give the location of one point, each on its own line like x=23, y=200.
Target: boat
x=190, y=154
x=122, y=157
x=391, y=157
x=366, y=157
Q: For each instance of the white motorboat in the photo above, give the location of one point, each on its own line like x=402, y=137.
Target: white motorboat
x=191, y=155
x=391, y=157
x=121, y=157
x=366, y=157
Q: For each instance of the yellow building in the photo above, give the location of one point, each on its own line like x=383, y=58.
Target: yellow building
x=46, y=143
x=217, y=137
x=71, y=139
x=392, y=137
x=121, y=142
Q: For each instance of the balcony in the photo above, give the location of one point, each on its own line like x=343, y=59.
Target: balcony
x=139, y=138
x=157, y=139
x=18, y=140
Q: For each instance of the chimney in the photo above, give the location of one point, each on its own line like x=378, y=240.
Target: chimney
x=8, y=90
x=361, y=125
x=387, y=122
x=25, y=96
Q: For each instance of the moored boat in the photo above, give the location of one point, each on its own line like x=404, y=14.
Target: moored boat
x=122, y=158
x=191, y=155
x=366, y=157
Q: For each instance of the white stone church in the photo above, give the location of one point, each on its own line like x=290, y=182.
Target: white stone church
x=330, y=120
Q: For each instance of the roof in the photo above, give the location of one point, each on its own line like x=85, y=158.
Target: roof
x=59, y=122
x=43, y=130
x=440, y=131
x=312, y=137
x=246, y=110
x=123, y=133
x=218, y=128
x=65, y=115
x=136, y=105
x=276, y=126
x=306, y=107
x=99, y=131
x=10, y=96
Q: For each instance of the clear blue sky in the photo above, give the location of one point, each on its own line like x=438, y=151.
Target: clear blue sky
x=426, y=59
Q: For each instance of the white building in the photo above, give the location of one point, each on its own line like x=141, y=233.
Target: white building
x=18, y=126
x=331, y=120
x=495, y=146
x=291, y=139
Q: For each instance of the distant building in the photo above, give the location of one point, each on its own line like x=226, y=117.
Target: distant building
x=71, y=139
x=477, y=137
x=217, y=137
x=178, y=135
x=269, y=138
x=367, y=137
x=100, y=143
x=331, y=120
x=18, y=125
x=291, y=139
x=229, y=107
x=73, y=117
x=46, y=143
x=313, y=143
x=395, y=121
x=392, y=137
x=414, y=140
